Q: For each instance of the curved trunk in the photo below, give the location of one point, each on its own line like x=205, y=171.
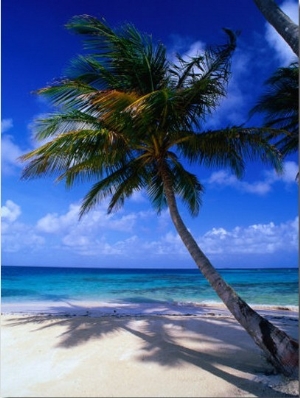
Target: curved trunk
x=287, y=29
x=281, y=350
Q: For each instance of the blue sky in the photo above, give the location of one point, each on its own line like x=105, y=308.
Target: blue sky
x=251, y=222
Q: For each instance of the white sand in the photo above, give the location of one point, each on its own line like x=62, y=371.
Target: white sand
x=206, y=355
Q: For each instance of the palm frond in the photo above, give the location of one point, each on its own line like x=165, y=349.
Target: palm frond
x=83, y=154
x=201, y=81
x=187, y=187
x=126, y=53
x=60, y=123
x=88, y=70
x=118, y=184
x=231, y=147
x=155, y=191
x=280, y=106
x=69, y=94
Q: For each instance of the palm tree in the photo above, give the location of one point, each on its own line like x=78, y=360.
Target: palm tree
x=126, y=117
x=280, y=106
x=287, y=29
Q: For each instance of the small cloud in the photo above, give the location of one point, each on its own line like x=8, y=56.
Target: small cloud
x=16, y=236
x=194, y=50
x=185, y=48
x=48, y=223
x=52, y=222
x=84, y=235
x=254, y=239
x=290, y=171
x=233, y=108
x=11, y=211
x=76, y=241
x=138, y=197
x=223, y=178
x=6, y=124
x=10, y=152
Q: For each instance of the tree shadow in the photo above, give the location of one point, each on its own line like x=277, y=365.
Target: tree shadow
x=169, y=341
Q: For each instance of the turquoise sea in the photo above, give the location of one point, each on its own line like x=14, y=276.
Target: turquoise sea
x=25, y=285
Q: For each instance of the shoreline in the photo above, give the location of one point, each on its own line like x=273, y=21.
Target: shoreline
x=284, y=317
x=106, y=308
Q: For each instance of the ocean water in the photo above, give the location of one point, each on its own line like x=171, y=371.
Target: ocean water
x=25, y=285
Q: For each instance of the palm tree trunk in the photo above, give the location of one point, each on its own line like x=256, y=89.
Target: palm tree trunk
x=281, y=350
x=287, y=29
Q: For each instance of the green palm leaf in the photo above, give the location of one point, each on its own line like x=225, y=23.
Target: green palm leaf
x=280, y=106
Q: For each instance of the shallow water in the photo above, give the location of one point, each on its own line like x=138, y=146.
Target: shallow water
x=274, y=287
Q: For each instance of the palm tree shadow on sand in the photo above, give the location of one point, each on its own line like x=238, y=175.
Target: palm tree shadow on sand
x=167, y=340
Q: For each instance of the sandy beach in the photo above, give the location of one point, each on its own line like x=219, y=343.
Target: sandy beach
x=138, y=355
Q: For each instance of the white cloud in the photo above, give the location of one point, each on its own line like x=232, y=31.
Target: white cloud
x=97, y=233
x=184, y=47
x=233, y=108
x=10, y=151
x=17, y=236
x=124, y=223
x=49, y=223
x=254, y=239
x=6, y=124
x=97, y=218
x=102, y=236
x=21, y=237
x=76, y=241
x=194, y=50
x=52, y=222
x=9, y=155
x=223, y=178
x=282, y=50
x=168, y=244
x=290, y=170
x=138, y=197
x=11, y=211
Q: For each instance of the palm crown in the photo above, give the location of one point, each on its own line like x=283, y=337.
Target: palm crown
x=126, y=117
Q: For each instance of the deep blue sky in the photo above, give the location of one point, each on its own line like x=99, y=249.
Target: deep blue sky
x=247, y=223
